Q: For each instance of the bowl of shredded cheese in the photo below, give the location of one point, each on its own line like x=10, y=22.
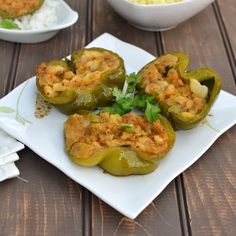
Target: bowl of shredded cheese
x=157, y=15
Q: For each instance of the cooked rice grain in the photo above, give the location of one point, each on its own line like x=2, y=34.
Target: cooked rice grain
x=45, y=17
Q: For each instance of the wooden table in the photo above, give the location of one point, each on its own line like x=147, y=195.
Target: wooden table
x=201, y=201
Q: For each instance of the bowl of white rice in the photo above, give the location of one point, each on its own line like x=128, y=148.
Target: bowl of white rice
x=158, y=15
x=41, y=25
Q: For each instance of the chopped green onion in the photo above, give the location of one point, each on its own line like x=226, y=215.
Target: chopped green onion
x=9, y=24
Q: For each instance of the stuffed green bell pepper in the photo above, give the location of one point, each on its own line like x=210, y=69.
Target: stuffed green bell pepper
x=120, y=145
x=17, y=8
x=185, y=97
x=84, y=82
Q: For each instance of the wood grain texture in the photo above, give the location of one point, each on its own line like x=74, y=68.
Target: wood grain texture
x=7, y=68
x=49, y=203
x=209, y=183
x=228, y=11
x=225, y=36
x=106, y=20
x=210, y=188
x=162, y=216
x=159, y=218
x=204, y=44
x=46, y=202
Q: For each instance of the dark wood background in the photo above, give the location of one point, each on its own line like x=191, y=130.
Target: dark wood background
x=201, y=201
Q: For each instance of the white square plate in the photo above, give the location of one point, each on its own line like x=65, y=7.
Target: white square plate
x=128, y=195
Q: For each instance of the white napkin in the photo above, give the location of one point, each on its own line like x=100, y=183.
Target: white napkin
x=8, y=148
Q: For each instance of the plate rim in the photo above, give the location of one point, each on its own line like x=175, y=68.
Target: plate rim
x=138, y=210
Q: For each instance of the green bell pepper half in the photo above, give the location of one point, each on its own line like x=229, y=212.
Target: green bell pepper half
x=205, y=76
x=123, y=161
x=75, y=98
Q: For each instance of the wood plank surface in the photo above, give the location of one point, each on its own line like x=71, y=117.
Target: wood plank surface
x=159, y=218
x=228, y=11
x=202, y=201
x=106, y=20
x=7, y=68
x=204, y=44
x=162, y=216
x=49, y=203
x=209, y=183
x=46, y=202
x=227, y=31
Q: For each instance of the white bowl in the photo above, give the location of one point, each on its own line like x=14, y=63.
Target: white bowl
x=158, y=17
x=66, y=17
